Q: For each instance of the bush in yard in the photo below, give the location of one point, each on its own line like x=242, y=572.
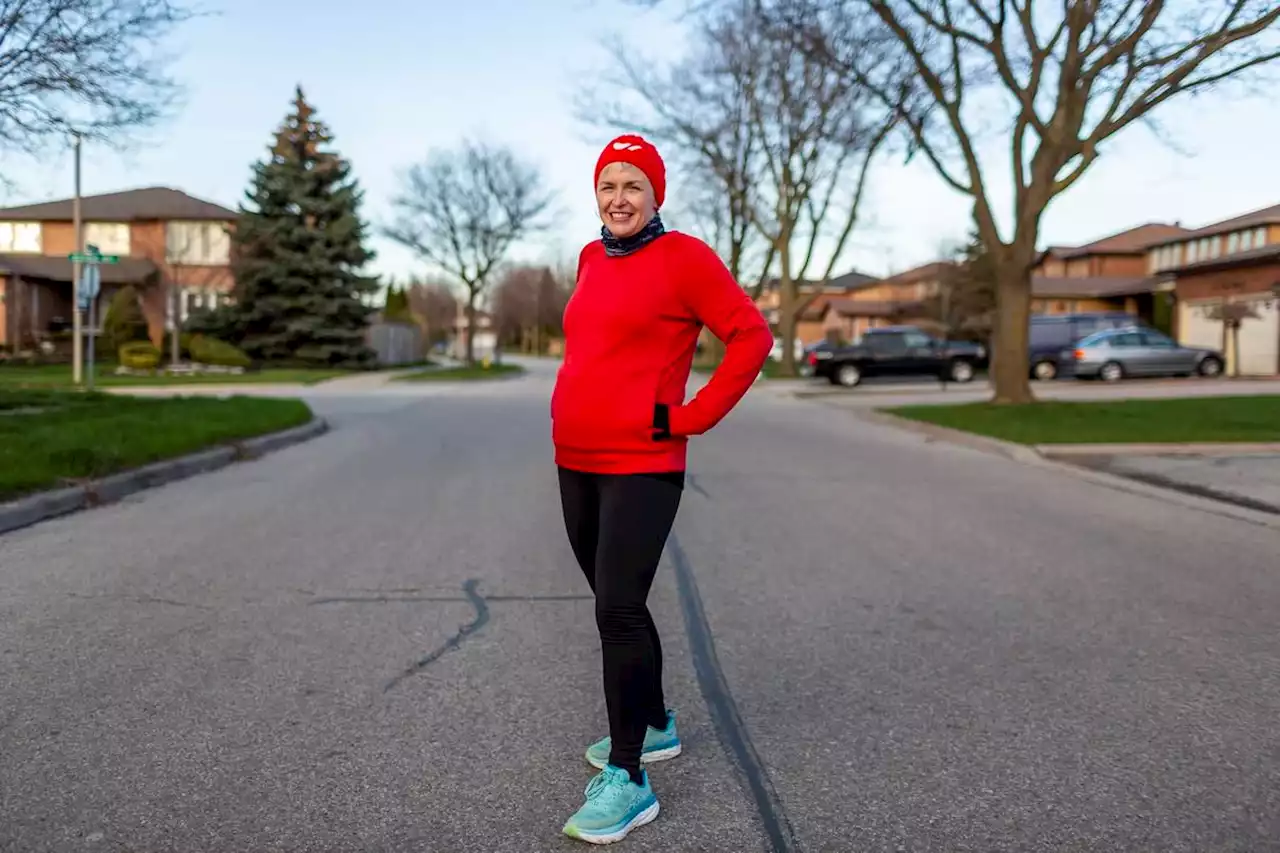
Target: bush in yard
x=124, y=322
x=139, y=355
x=206, y=350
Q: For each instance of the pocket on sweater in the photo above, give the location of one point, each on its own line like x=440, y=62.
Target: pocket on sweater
x=602, y=415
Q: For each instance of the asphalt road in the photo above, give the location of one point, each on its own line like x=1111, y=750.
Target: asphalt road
x=377, y=641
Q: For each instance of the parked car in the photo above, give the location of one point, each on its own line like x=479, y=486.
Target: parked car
x=1115, y=354
x=1053, y=334
x=898, y=351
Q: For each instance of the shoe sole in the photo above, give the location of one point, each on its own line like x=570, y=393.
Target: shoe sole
x=646, y=816
x=645, y=757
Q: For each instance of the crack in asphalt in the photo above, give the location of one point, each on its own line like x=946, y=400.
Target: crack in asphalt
x=730, y=728
x=395, y=599
x=482, y=618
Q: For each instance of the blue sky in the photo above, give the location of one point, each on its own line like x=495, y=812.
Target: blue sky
x=397, y=78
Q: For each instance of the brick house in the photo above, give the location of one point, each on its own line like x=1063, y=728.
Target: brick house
x=900, y=298
x=1110, y=274
x=173, y=248
x=1222, y=271
x=809, y=325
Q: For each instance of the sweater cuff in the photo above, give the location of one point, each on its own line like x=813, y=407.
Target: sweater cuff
x=680, y=420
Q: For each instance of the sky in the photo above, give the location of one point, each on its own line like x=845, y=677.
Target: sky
x=396, y=79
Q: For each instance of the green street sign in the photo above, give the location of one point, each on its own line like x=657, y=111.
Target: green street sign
x=94, y=259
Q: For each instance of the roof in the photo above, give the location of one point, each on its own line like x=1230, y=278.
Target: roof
x=924, y=272
x=849, y=281
x=1236, y=259
x=127, y=271
x=1044, y=285
x=148, y=203
x=867, y=307
x=1133, y=241
x=1265, y=216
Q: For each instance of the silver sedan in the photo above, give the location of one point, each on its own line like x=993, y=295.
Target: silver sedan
x=1115, y=354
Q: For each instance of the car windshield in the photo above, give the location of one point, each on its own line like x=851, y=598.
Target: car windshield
x=1095, y=339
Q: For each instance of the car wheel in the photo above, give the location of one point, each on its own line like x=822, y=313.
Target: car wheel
x=1112, y=371
x=1210, y=366
x=848, y=375
x=961, y=371
x=1045, y=370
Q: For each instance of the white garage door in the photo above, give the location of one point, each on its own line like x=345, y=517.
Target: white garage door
x=1260, y=339
x=1259, y=336
x=1197, y=326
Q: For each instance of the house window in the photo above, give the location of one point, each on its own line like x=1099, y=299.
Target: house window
x=1259, y=238
x=20, y=237
x=1215, y=247
x=111, y=238
x=1233, y=243
x=1193, y=252
x=197, y=243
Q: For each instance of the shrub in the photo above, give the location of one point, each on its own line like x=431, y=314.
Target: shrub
x=206, y=350
x=140, y=355
x=124, y=322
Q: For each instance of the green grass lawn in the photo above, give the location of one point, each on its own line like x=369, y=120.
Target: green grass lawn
x=51, y=438
x=463, y=373
x=1180, y=420
x=59, y=376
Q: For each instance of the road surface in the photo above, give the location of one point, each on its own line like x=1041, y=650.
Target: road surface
x=378, y=641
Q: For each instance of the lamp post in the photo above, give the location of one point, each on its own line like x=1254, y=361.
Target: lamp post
x=77, y=328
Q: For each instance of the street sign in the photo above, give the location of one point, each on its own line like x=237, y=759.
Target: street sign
x=90, y=285
x=91, y=255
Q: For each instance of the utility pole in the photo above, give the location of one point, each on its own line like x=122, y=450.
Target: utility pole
x=77, y=337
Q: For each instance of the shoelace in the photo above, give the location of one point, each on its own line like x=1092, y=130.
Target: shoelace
x=603, y=781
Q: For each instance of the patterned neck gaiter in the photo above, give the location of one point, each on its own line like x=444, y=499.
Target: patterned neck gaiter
x=615, y=247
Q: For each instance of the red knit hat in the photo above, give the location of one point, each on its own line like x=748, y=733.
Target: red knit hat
x=639, y=152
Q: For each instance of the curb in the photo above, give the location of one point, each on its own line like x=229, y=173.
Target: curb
x=1007, y=449
x=43, y=506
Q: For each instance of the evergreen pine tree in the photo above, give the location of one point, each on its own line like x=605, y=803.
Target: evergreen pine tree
x=396, y=307
x=299, y=244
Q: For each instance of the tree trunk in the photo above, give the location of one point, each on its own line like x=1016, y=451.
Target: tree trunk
x=788, y=298
x=1010, y=367
x=471, y=327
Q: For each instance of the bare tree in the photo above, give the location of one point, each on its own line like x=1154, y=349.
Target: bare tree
x=464, y=210
x=433, y=307
x=528, y=304
x=1057, y=81
x=88, y=66
x=789, y=139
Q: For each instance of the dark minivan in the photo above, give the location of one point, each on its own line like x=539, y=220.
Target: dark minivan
x=1053, y=333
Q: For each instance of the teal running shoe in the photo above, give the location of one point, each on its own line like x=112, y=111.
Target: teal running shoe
x=659, y=745
x=615, y=805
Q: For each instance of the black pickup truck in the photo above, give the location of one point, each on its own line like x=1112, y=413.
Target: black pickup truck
x=898, y=351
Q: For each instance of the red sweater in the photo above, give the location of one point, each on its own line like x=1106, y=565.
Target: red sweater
x=631, y=328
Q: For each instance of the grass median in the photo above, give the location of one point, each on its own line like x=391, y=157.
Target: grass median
x=53, y=438
x=463, y=373
x=1172, y=421
x=59, y=376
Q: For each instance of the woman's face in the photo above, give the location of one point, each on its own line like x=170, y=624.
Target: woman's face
x=625, y=199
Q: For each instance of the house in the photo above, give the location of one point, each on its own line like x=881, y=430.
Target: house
x=902, y=297
x=1222, y=273
x=1109, y=274
x=809, y=325
x=174, y=249
x=486, y=334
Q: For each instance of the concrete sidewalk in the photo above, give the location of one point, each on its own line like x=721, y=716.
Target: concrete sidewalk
x=1243, y=476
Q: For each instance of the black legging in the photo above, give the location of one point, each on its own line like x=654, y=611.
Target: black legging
x=618, y=525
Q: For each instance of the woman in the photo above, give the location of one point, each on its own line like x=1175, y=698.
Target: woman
x=621, y=427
